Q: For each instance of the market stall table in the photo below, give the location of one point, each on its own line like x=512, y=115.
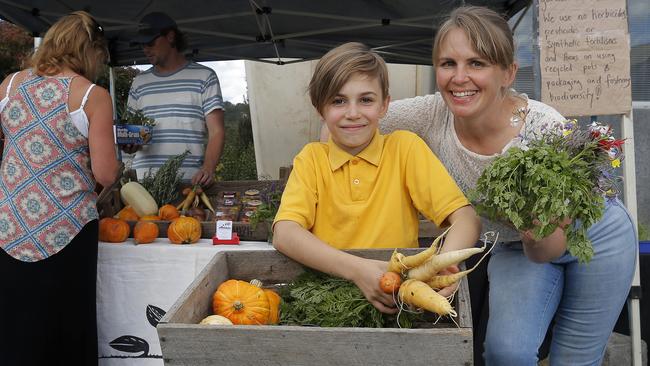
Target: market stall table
x=136, y=285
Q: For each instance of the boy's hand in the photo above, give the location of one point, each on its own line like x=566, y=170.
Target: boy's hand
x=449, y=290
x=367, y=280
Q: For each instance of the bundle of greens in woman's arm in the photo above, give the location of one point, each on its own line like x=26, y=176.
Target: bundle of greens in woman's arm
x=566, y=173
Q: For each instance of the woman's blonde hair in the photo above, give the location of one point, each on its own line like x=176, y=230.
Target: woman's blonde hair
x=487, y=31
x=76, y=41
x=336, y=67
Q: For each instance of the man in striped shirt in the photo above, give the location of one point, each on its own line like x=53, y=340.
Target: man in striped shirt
x=183, y=97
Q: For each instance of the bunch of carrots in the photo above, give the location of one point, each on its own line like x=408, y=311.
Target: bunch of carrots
x=192, y=197
x=416, y=278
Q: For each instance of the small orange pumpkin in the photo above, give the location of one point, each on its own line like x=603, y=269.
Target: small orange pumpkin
x=127, y=213
x=168, y=212
x=274, y=302
x=184, y=230
x=241, y=302
x=145, y=232
x=150, y=218
x=113, y=230
x=274, y=306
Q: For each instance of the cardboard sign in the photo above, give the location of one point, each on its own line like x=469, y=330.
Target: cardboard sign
x=224, y=229
x=585, y=56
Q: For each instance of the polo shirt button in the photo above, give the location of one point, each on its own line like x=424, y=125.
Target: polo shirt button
x=355, y=161
x=356, y=181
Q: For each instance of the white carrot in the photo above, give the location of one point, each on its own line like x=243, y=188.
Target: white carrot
x=435, y=264
x=442, y=281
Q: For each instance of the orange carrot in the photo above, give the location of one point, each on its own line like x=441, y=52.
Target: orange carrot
x=390, y=282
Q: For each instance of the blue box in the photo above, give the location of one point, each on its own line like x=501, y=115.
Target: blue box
x=644, y=247
x=132, y=134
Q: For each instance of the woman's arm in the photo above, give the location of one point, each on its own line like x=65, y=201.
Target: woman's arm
x=99, y=110
x=302, y=246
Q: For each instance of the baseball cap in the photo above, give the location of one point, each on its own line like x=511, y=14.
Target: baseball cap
x=152, y=25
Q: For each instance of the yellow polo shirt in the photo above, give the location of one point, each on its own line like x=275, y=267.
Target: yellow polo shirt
x=370, y=200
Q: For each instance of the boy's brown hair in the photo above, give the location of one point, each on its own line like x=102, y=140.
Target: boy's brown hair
x=337, y=66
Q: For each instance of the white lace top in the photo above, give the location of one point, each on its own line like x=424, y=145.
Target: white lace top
x=429, y=117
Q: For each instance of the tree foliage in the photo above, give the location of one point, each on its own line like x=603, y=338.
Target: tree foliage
x=238, y=158
x=15, y=48
x=123, y=78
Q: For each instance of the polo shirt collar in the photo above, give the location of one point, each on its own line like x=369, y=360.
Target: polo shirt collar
x=371, y=154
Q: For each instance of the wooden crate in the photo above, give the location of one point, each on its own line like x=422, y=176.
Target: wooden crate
x=184, y=342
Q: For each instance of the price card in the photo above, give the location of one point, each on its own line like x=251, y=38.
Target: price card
x=224, y=229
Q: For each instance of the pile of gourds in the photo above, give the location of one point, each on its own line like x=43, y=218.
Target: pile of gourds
x=141, y=207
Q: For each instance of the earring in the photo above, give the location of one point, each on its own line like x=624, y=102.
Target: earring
x=518, y=116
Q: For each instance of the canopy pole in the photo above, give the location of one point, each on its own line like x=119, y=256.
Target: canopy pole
x=111, y=91
x=37, y=42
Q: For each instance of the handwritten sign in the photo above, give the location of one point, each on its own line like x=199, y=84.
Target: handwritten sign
x=585, y=56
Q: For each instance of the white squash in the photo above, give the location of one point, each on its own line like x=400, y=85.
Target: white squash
x=136, y=196
x=215, y=320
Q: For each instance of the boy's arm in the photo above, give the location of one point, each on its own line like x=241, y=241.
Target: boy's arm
x=463, y=234
x=304, y=247
x=466, y=228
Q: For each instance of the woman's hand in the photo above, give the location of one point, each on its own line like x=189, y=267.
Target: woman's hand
x=367, y=278
x=548, y=248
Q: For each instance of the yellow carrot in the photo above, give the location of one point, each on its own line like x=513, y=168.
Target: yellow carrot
x=441, y=281
x=395, y=262
x=399, y=262
x=188, y=200
x=441, y=261
x=419, y=294
x=206, y=201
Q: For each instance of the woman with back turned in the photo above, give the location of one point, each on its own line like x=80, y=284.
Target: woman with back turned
x=57, y=127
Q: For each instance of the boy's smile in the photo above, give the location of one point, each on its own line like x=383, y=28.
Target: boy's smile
x=353, y=115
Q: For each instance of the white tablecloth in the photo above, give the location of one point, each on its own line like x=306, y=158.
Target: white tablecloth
x=136, y=285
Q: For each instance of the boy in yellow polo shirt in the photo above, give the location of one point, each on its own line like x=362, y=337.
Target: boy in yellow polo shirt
x=362, y=189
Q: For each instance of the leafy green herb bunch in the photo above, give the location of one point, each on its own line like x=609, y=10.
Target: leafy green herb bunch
x=129, y=117
x=566, y=171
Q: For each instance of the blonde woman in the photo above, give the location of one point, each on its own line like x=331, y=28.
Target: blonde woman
x=476, y=117
x=57, y=127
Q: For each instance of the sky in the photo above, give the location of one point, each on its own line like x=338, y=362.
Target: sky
x=232, y=77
